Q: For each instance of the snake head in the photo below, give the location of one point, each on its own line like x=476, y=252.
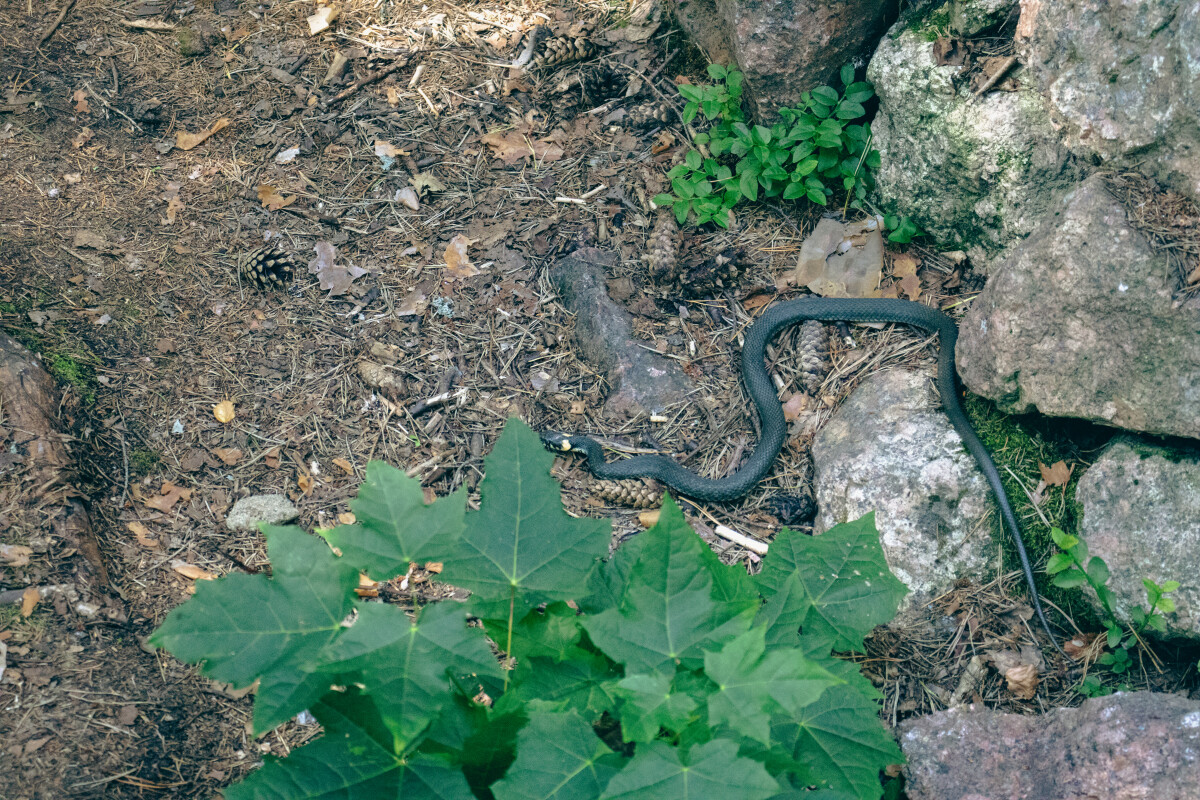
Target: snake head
x=553, y=440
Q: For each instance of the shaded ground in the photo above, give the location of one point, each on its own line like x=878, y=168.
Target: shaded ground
x=118, y=259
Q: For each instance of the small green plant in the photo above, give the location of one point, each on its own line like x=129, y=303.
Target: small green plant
x=1073, y=567
x=657, y=672
x=903, y=230
x=815, y=151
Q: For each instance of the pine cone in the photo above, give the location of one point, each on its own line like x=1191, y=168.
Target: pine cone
x=711, y=275
x=602, y=83
x=268, y=267
x=561, y=50
x=634, y=493
x=814, y=354
x=652, y=114
x=662, y=251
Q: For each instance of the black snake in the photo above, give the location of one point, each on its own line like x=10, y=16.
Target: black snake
x=774, y=426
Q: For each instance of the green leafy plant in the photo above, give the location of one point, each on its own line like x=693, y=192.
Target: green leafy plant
x=903, y=230
x=815, y=151
x=1074, y=567
x=655, y=672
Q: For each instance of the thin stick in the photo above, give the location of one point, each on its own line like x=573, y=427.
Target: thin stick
x=66, y=9
x=111, y=107
x=996, y=76
x=398, y=64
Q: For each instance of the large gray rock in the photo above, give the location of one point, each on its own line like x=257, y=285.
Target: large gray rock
x=642, y=382
x=1123, y=81
x=891, y=450
x=1121, y=747
x=975, y=173
x=1080, y=321
x=1141, y=514
x=785, y=47
x=273, y=509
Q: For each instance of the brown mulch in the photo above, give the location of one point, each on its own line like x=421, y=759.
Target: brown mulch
x=118, y=264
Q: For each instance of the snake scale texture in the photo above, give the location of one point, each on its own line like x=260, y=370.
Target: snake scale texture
x=774, y=426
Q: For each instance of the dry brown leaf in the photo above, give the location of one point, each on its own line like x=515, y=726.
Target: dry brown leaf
x=29, y=601
x=322, y=18
x=186, y=141
x=82, y=138
x=272, y=200
x=144, y=537
x=663, y=142
x=15, y=555
x=794, y=406
x=224, y=412
x=1193, y=276
x=81, y=101
x=347, y=518
x=271, y=457
x=1079, y=644
x=229, y=456
x=513, y=147
x=193, y=572
x=344, y=465
x=755, y=302
x=393, y=95
x=1023, y=681
x=904, y=271
x=1056, y=475
x=304, y=481
x=577, y=407
x=458, y=264
x=434, y=566
x=330, y=275
x=415, y=302
x=648, y=519
x=169, y=495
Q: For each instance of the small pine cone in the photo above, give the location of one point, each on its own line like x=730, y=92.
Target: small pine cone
x=662, y=251
x=814, y=354
x=268, y=267
x=711, y=275
x=648, y=115
x=561, y=50
x=602, y=83
x=634, y=493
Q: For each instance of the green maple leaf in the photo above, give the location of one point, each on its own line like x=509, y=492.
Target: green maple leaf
x=246, y=627
x=521, y=544
x=395, y=527
x=559, y=756
x=753, y=684
x=845, y=586
x=584, y=682
x=406, y=666
x=671, y=608
x=649, y=704
x=842, y=745
x=351, y=761
x=709, y=770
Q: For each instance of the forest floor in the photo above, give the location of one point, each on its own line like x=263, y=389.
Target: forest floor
x=120, y=238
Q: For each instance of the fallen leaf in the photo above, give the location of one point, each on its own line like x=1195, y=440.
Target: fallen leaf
x=1056, y=475
x=229, y=456
x=186, y=141
x=415, y=302
x=72, y=178
x=271, y=457
x=344, y=465
x=144, y=537
x=1079, y=644
x=193, y=572
x=224, y=412
x=82, y=138
x=425, y=182
x=457, y=262
x=81, y=101
x=648, y=519
x=393, y=96
x=1193, y=276
x=663, y=142
x=272, y=200
x=434, y=566
x=577, y=407
x=904, y=271
x=304, y=481
x=15, y=555
x=29, y=601
x=322, y=18
x=407, y=197
x=388, y=153
x=330, y=275
x=1023, y=681
x=347, y=518
x=168, y=496
x=513, y=147
x=795, y=404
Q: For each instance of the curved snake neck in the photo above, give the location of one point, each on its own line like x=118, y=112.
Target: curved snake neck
x=774, y=426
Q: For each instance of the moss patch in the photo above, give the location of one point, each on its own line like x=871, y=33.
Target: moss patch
x=1018, y=445
x=142, y=460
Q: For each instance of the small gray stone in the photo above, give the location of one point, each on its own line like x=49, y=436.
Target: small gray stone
x=891, y=450
x=1080, y=321
x=1141, y=514
x=273, y=509
x=1127, y=746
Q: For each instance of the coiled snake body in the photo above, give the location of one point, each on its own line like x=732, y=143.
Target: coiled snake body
x=774, y=426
